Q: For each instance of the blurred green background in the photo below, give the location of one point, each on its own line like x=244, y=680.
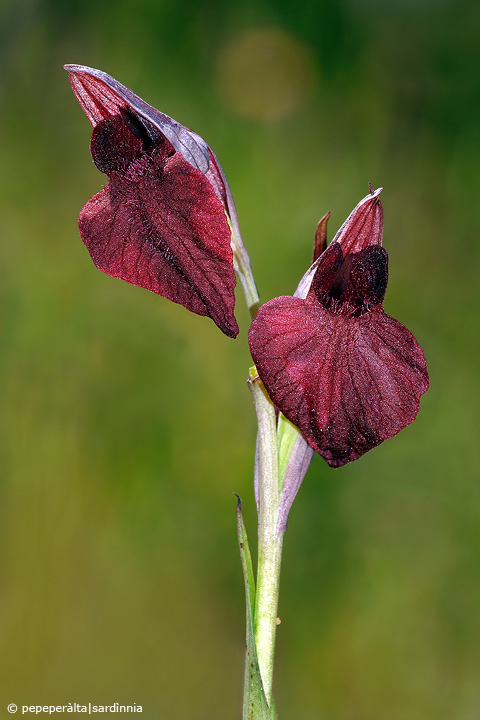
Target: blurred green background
x=125, y=421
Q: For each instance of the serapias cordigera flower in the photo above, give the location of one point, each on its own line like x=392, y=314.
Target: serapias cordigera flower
x=161, y=222
x=345, y=373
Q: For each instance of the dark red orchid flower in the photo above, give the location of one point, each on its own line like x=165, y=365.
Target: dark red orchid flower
x=161, y=222
x=335, y=364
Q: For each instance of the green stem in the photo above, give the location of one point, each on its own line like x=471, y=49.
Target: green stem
x=270, y=542
x=265, y=626
x=241, y=263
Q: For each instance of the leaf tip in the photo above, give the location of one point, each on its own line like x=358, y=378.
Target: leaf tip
x=239, y=500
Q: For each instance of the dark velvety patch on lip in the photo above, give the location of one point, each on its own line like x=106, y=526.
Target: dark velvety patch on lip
x=114, y=146
x=352, y=285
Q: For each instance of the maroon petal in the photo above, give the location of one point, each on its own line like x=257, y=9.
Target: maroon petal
x=320, y=244
x=347, y=382
x=364, y=225
x=161, y=226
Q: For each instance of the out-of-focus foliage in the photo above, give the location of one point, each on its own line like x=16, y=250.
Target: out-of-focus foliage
x=125, y=422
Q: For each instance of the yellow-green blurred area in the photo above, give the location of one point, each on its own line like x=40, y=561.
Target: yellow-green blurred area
x=126, y=423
